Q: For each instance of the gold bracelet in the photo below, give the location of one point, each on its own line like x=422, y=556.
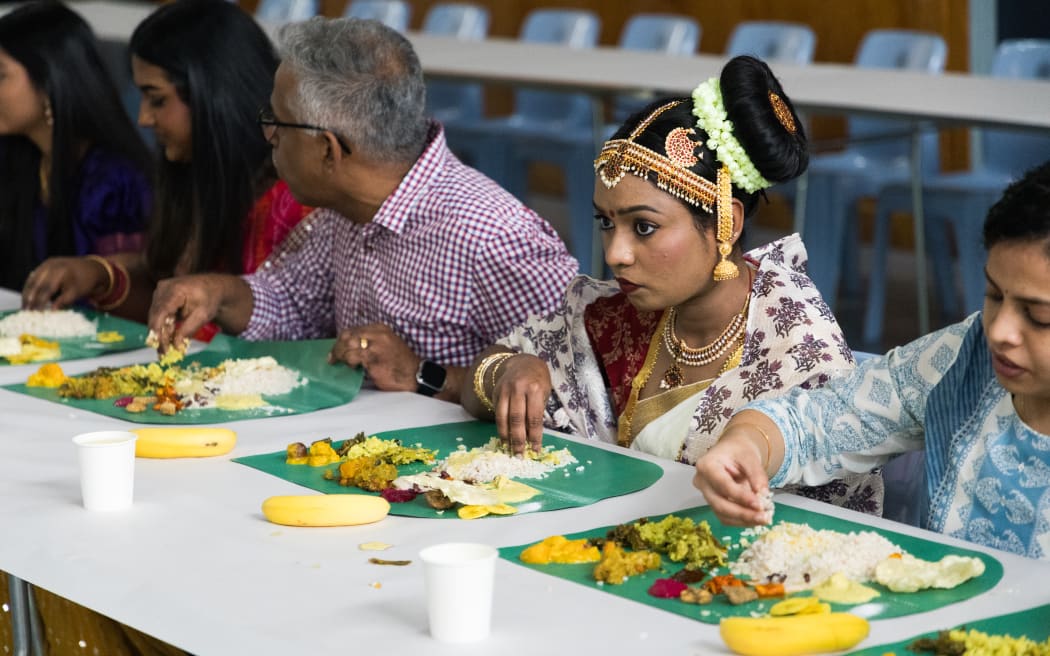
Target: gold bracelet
x=124, y=280
x=108, y=266
x=479, y=377
x=496, y=364
x=769, y=443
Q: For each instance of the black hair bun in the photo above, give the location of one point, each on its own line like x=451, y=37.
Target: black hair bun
x=777, y=153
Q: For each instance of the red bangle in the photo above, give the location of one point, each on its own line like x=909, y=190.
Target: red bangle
x=118, y=291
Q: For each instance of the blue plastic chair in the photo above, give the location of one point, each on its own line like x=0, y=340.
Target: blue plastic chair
x=487, y=144
x=879, y=156
x=773, y=41
x=449, y=102
x=286, y=10
x=392, y=13
x=667, y=33
x=959, y=201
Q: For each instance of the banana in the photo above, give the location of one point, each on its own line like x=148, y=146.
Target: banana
x=794, y=635
x=181, y=442
x=325, y=509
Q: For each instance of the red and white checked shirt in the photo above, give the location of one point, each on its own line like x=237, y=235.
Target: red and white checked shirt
x=451, y=262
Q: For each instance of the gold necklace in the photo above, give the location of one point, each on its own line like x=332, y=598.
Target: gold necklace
x=682, y=354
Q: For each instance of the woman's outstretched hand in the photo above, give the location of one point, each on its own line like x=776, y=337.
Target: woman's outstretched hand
x=733, y=479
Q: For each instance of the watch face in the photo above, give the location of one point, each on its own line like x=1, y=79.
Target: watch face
x=430, y=377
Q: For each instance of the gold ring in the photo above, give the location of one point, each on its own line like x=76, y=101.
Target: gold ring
x=364, y=342
x=169, y=321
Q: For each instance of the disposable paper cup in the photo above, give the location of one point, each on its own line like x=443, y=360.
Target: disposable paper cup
x=458, y=578
x=107, y=469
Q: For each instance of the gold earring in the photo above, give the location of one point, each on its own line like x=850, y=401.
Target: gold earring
x=725, y=269
x=49, y=118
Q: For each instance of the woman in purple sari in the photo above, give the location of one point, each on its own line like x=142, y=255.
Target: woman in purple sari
x=73, y=166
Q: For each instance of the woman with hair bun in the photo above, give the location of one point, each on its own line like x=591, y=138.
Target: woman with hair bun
x=73, y=171
x=692, y=327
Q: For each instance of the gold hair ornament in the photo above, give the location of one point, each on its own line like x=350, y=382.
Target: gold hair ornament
x=782, y=112
x=619, y=157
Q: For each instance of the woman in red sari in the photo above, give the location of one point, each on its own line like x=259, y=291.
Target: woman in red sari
x=205, y=68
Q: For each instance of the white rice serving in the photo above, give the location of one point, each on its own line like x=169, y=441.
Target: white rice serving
x=484, y=464
x=53, y=324
x=807, y=556
x=262, y=376
x=242, y=379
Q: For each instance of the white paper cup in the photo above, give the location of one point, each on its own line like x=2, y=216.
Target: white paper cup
x=458, y=578
x=107, y=469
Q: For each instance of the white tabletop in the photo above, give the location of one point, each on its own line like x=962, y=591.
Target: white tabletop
x=195, y=564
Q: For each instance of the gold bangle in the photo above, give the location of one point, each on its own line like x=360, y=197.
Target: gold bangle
x=479, y=377
x=108, y=266
x=769, y=443
x=496, y=364
x=125, y=281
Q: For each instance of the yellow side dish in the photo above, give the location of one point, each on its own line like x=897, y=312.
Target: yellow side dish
x=617, y=565
x=559, y=549
x=109, y=337
x=35, y=349
x=48, y=375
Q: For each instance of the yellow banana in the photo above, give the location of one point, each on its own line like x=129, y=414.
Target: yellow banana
x=182, y=442
x=325, y=509
x=793, y=635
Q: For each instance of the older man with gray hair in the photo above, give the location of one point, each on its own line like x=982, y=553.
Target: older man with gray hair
x=414, y=260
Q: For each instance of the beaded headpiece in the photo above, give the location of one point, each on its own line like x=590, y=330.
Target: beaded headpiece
x=619, y=157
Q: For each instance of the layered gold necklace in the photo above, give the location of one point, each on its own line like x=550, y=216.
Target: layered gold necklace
x=684, y=355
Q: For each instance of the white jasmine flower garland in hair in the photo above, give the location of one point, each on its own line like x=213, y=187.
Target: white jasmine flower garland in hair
x=712, y=118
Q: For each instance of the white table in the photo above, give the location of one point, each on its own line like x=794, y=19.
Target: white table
x=195, y=564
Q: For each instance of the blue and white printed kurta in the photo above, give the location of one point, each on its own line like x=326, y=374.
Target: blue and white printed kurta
x=987, y=473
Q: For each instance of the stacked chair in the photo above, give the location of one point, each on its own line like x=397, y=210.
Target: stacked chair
x=283, y=11
x=877, y=157
x=539, y=116
x=958, y=202
x=456, y=102
x=392, y=13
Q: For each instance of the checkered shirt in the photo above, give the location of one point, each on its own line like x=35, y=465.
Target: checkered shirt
x=451, y=262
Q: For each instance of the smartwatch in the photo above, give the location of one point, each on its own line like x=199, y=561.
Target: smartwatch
x=430, y=378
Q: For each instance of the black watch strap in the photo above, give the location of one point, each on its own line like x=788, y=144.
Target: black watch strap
x=430, y=378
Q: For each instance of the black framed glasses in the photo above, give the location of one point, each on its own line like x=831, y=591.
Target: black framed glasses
x=269, y=125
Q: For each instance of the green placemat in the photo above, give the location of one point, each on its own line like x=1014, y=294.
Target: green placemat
x=327, y=385
x=1033, y=623
x=78, y=348
x=889, y=604
x=599, y=474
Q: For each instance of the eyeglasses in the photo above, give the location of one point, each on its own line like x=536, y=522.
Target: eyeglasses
x=269, y=125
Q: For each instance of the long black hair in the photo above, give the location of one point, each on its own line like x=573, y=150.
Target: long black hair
x=778, y=153
x=222, y=66
x=1022, y=214
x=61, y=57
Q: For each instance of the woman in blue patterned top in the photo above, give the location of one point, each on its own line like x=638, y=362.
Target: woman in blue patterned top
x=975, y=397
x=73, y=170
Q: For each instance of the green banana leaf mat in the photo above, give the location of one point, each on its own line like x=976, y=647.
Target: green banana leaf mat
x=888, y=604
x=1033, y=623
x=327, y=385
x=598, y=474
x=78, y=348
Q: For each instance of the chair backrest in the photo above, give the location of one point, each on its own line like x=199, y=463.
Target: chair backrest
x=667, y=33
x=567, y=27
x=392, y=13
x=773, y=41
x=286, y=10
x=455, y=100
x=905, y=50
x=1012, y=152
